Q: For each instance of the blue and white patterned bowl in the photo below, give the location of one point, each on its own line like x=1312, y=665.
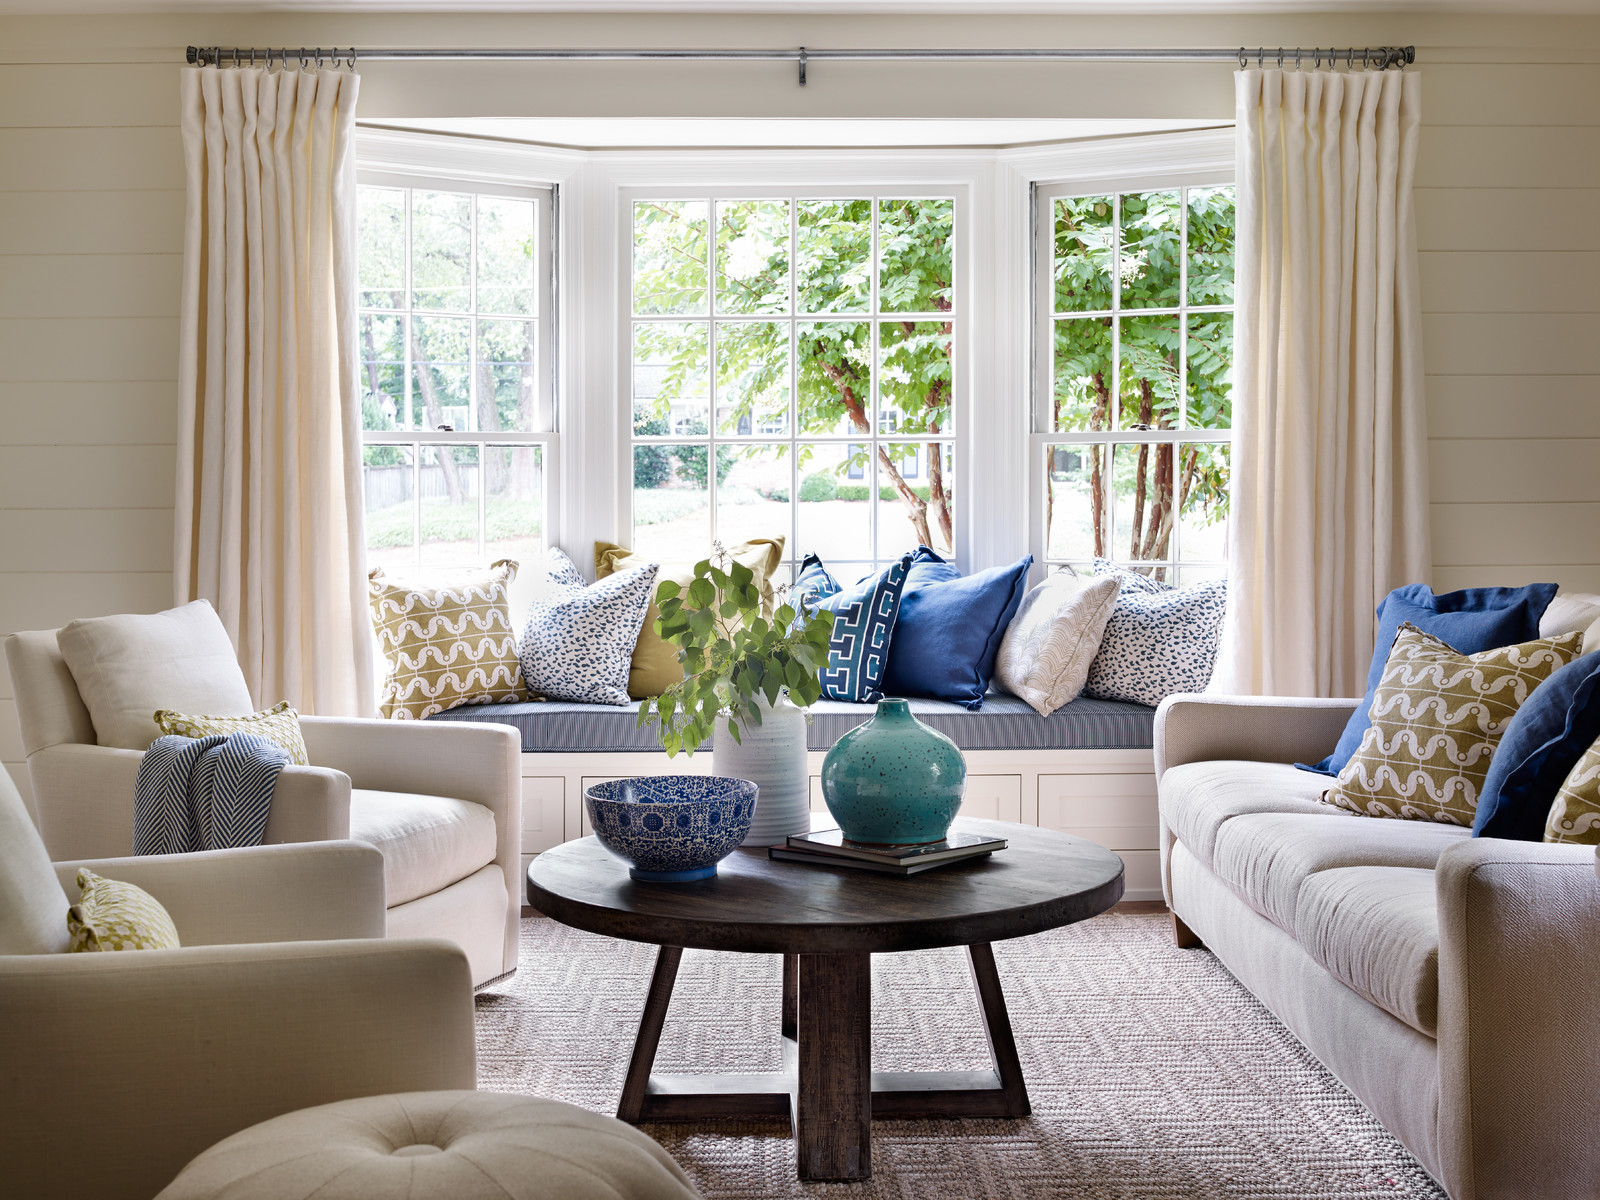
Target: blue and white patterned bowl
x=671, y=828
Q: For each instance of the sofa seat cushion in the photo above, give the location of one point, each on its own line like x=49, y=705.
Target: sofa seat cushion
x=1376, y=930
x=1268, y=857
x=1198, y=799
x=428, y=842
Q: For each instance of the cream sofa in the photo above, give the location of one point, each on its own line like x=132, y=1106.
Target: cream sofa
x=1451, y=983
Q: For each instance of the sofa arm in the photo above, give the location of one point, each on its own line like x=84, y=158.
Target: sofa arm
x=156, y=1055
x=1198, y=727
x=1519, y=1001
x=314, y=892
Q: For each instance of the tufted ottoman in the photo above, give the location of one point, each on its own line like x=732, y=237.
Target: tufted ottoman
x=435, y=1146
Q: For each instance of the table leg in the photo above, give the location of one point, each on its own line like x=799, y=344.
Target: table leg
x=791, y=976
x=997, y=1025
x=833, y=1124
x=656, y=1000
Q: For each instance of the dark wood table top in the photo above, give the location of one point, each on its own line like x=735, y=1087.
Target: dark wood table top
x=1043, y=879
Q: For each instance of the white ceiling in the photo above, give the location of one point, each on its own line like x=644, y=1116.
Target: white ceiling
x=596, y=133
x=801, y=7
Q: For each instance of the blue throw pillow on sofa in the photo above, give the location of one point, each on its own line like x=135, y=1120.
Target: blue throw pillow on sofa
x=1558, y=721
x=864, y=620
x=950, y=628
x=1471, y=621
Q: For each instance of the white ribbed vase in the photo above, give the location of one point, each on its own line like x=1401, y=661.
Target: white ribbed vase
x=772, y=755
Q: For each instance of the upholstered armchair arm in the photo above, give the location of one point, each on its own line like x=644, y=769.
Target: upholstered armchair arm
x=1519, y=1001
x=84, y=798
x=1199, y=727
x=120, y=1067
x=302, y=893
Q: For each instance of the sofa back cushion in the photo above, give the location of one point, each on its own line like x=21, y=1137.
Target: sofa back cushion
x=126, y=667
x=33, y=908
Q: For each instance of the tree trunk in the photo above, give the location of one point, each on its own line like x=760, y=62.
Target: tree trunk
x=916, y=507
x=1099, y=418
x=434, y=417
x=491, y=464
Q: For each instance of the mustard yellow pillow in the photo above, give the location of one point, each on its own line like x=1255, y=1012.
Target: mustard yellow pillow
x=118, y=916
x=655, y=665
x=279, y=725
x=1575, y=815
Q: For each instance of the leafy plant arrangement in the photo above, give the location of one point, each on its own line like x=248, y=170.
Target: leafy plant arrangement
x=733, y=656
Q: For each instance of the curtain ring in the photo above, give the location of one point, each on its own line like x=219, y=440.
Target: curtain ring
x=1297, y=58
x=1280, y=58
x=1244, y=60
x=352, y=58
x=236, y=57
x=319, y=58
x=1349, y=58
x=302, y=59
x=1261, y=58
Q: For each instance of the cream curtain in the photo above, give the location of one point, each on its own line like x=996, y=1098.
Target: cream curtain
x=269, y=512
x=1330, y=469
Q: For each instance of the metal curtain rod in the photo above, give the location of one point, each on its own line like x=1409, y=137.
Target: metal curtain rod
x=1370, y=57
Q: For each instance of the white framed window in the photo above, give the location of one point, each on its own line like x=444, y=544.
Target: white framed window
x=804, y=342
x=456, y=329
x=1133, y=376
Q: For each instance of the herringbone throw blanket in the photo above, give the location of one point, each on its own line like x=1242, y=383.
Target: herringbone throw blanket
x=210, y=793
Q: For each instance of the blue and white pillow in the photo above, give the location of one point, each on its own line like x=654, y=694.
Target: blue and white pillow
x=578, y=642
x=863, y=623
x=1160, y=639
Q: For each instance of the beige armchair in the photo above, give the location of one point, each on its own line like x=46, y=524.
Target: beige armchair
x=441, y=801
x=121, y=1067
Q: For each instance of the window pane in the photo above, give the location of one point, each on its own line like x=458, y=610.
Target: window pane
x=752, y=378
x=440, y=357
x=381, y=216
x=1210, y=350
x=508, y=396
x=834, y=255
x=1211, y=245
x=915, y=241
x=753, y=256
x=754, y=484
x=914, y=379
x=1151, y=249
x=671, y=501
x=669, y=256
x=386, y=484
x=449, y=488
x=1083, y=250
x=513, y=509
x=505, y=255
x=383, y=371
x=1074, y=502
x=835, y=377
x=1142, y=475
x=1149, y=377
x=1083, y=375
x=926, y=469
x=441, y=251
x=1203, y=501
x=835, y=520
x=671, y=384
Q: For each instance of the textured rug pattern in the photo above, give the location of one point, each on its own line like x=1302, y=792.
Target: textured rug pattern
x=1153, y=1073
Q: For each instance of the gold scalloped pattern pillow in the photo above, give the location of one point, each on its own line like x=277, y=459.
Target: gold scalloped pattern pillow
x=1437, y=716
x=1575, y=815
x=118, y=916
x=279, y=725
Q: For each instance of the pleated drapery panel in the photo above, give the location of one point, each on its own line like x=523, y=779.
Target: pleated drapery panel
x=1330, y=466
x=269, y=507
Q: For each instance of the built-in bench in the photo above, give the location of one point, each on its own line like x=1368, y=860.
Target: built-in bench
x=1087, y=768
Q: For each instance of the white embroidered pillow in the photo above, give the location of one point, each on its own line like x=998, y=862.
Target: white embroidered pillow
x=578, y=642
x=1045, y=654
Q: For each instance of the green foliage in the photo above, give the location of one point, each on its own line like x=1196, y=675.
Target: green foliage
x=818, y=487
x=652, y=464
x=692, y=464
x=857, y=492
x=446, y=522
x=733, y=656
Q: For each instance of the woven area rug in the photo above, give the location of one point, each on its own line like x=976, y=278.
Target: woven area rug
x=1153, y=1073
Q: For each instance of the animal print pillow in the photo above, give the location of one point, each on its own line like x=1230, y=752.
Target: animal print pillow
x=1159, y=640
x=578, y=642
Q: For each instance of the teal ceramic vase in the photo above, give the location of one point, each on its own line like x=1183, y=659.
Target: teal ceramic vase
x=894, y=781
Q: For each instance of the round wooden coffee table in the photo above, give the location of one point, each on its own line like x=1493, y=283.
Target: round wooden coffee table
x=827, y=922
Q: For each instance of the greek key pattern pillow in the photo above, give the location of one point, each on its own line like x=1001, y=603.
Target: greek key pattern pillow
x=1158, y=641
x=1437, y=716
x=578, y=642
x=279, y=725
x=1575, y=815
x=446, y=645
x=118, y=916
x=858, y=645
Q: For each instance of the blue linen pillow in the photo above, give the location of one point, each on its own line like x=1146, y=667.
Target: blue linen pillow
x=863, y=624
x=1558, y=721
x=1471, y=621
x=950, y=628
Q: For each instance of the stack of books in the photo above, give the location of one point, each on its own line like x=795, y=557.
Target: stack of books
x=829, y=847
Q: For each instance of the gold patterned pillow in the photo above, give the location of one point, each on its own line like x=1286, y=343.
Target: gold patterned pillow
x=118, y=916
x=446, y=645
x=1575, y=815
x=1437, y=717
x=279, y=725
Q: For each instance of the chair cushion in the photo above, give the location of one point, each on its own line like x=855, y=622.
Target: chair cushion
x=128, y=666
x=33, y=908
x=1198, y=798
x=428, y=842
x=1376, y=930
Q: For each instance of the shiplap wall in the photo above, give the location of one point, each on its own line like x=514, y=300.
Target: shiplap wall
x=91, y=214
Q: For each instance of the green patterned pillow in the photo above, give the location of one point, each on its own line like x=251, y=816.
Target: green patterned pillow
x=1437, y=716
x=279, y=725
x=1575, y=815
x=447, y=645
x=118, y=916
